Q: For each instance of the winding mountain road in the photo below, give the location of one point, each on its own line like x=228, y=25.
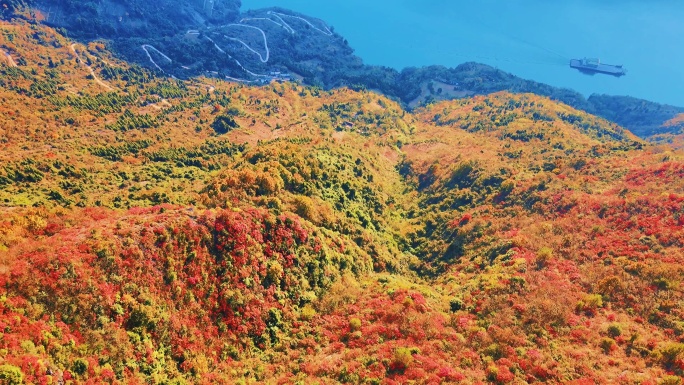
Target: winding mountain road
x=265, y=19
x=236, y=62
x=90, y=69
x=215, y=45
x=147, y=47
x=264, y=58
x=284, y=23
x=327, y=31
x=263, y=34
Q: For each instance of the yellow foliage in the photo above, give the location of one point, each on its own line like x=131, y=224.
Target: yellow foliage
x=306, y=208
x=403, y=357
x=354, y=324
x=307, y=313
x=544, y=255
x=590, y=302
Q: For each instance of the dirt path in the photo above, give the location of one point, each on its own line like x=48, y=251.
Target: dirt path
x=10, y=60
x=147, y=47
x=238, y=63
x=263, y=34
x=327, y=31
x=90, y=69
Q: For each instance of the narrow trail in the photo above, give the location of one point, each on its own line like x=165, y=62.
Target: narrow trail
x=198, y=84
x=10, y=60
x=327, y=31
x=90, y=69
x=215, y=45
x=236, y=62
x=147, y=47
x=263, y=34
x=264, y=19
x=284, y=23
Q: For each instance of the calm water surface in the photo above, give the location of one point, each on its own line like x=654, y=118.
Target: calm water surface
x=530, y=38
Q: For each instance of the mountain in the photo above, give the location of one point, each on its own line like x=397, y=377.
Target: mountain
x=119, y=19
x=212, y=38
x=157, y=230
x=645, y=118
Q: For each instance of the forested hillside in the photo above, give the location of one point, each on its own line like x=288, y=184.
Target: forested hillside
x=185, y=39
x=165, y=231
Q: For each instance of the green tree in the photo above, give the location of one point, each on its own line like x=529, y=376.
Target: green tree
x=11, y=375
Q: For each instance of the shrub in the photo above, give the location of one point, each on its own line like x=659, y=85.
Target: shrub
x=11, y=375
x=669, y=353
x=274, y=272
x=614, y=330
x=492, y=372
x=506, y=189
x=268, y=185
x=456, y=304
x=590, y=303
x=403, y=358
x=610, y=286
x=223, y=124
x=462, y=221
x=494, y=350
x=504, y=375
x=663, y=284
x=670, y=380
x=463, y=175
x=499, y=374
x=544, y=255
x=354, y=324
x=407, y=302
x=232, y=352
x=80, y=366
x=607, y=344
x=309, y=312
x=306, y=208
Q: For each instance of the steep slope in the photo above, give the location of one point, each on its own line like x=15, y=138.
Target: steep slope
x=201, y=231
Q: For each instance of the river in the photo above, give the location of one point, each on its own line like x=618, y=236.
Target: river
x=533, y=39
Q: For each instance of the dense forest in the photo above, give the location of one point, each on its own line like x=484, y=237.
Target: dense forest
x=200, y=231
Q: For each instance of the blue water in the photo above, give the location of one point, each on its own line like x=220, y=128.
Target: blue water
x=530, y=38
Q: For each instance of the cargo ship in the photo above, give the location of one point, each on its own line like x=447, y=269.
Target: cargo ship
x=594, y=66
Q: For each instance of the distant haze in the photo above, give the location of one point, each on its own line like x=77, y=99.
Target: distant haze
x=647, y=37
